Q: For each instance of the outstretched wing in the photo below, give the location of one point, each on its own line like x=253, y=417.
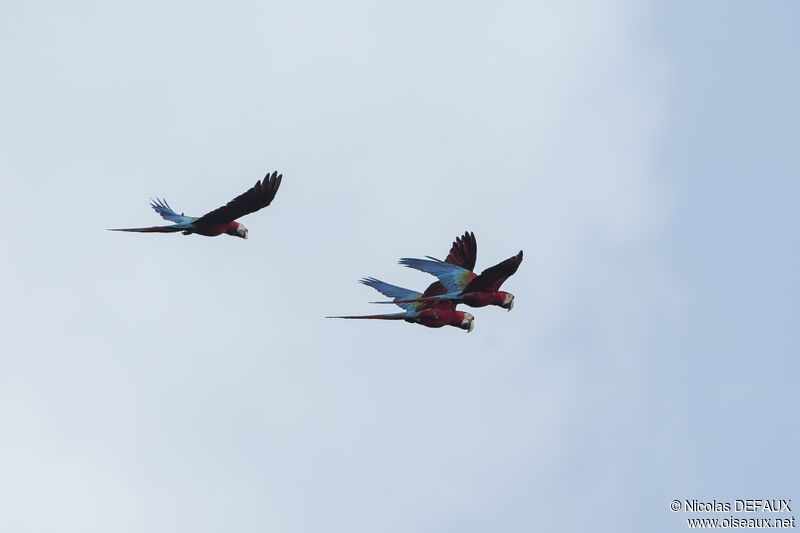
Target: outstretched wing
x=491, y=278
x=463, y=254
x=258, y=197
x=453, y=277
x=162, y=208
x=464, y=251
x=395, y=292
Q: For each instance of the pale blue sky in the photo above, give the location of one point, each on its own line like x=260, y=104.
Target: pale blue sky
x=641, y=154
x=730, y=355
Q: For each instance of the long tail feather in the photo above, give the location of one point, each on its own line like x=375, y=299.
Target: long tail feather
x=397, y=316
x=153, y=229
x=426, y=299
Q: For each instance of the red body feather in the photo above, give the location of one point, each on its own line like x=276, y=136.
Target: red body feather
x=484, y=298
x=439, y=316
x=214, y=229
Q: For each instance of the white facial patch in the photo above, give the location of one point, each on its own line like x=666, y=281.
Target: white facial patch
x=468, y=323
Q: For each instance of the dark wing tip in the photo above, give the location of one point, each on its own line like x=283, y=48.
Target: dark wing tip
x=494, y=276
x=257, y=197
x=464, y=251
x=270, y=178
x=267, y=188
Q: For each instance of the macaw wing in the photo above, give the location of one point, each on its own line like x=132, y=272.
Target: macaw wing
x=258, y=197
x=434, y=289
x=453, y=277
x=162, y=208
x=491, y=278
x=395, y=292
x=464, y=251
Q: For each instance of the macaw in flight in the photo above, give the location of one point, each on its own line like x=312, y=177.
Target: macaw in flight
x=434, y=314
x=462, y=285
x=221, y=220
x=422, y=308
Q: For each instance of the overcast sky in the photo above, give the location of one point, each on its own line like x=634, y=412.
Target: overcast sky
x=643, y=155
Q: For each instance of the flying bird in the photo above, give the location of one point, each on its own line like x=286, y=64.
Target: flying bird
x=420, y=307
x=459, y=283
x=432, y=314
x=221, y=220
x=464, y=286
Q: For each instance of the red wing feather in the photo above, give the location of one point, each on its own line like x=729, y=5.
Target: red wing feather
x=434, y=289
x=464, y=251
x=438, y=303
x=491, y=278
x=258, y=197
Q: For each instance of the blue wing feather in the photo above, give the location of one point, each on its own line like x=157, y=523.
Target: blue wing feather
x=395, y=292
x=162, y=208
x=454, y=278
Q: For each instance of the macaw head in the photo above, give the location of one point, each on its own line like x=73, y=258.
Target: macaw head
x=241, y=231
x=467, y=322
x=507, y=300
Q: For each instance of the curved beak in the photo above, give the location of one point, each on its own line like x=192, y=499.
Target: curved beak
x=511, y=305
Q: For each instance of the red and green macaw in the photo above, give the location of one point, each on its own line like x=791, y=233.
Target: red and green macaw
x=423, y=308
x=432, y=314
x=221, y=220
x=462, y=285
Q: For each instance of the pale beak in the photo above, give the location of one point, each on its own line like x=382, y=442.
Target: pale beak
x=511, y=305
x=471, y=325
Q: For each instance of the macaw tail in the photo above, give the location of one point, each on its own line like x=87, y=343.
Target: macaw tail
x=425, y=299
x=393, y=316
x=153, y=229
